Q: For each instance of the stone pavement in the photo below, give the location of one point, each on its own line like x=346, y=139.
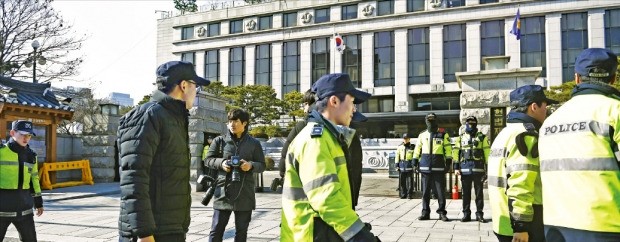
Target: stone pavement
x=90, y=213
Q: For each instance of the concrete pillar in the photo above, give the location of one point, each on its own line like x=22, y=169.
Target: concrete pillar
x=276, y=68
x=224, y=63
x=553, y=31
x=400, y=70
x=99, y=137
x=472, y=2
x=472, y=30
x=596, y=28
x=400, y=7
x=250, y=59
x=276, y=20
x=436, y=54
x=225, y=27
x=512, y=45
x=335, y=13
x=368, y=51
x=305, y=64
x=199, y=61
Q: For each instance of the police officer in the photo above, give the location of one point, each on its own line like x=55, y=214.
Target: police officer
x=404, y=159
x=432, y=153
x=579, y=156
x=515, y=192
x=316, y=202
x=19, y=183
x=472, y=152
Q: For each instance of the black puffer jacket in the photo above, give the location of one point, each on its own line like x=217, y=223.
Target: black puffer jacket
x=229, y=195
x=154, y=164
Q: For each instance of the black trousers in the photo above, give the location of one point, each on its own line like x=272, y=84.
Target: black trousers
x=23, y=224
x=435, y=181
x=466, y=181
x=405, y=184
x=164, y=237
x=562, y=234
x=220, y=219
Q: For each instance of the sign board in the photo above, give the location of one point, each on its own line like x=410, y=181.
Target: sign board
x=498, y=121
x=400, y=128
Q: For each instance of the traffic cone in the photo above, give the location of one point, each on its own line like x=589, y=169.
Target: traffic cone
x=455, y=189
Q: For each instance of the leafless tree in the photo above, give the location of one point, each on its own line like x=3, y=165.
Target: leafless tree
x=22, y=22
x=84, y=104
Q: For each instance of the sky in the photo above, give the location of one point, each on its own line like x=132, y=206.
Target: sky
x=119, y=52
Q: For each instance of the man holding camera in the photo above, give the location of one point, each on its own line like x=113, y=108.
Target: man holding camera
x=236, y=156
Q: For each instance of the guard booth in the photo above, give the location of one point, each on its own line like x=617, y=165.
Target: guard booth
x=36, y=103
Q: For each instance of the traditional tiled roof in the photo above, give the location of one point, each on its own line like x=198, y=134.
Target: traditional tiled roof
x=29, y=94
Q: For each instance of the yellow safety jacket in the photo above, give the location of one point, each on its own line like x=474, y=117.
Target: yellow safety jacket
x=205, y=150
x=404, y=155
x=471, y=153
x=9, y=180
x=316, y=185
x=579, y=171
x=513, y=178
x=433, y=150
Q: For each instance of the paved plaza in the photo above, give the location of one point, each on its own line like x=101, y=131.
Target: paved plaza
x=90, y=213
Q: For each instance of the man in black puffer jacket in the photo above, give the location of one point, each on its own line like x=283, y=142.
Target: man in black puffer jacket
x=154, y=159
x=234, y=196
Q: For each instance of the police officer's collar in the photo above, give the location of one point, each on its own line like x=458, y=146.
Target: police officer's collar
x=519, y=117
x=318, y=118
x=594, y=87
x=16, y=147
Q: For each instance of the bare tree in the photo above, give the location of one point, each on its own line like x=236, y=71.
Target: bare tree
x=84, y=104
x=22, y=22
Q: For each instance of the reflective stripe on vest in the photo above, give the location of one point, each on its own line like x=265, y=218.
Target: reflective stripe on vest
x=14, y=214
x=294, y=193
x=496, y=181
x=321, y=181
x=521, y=167
x=580, y=164
x=473, y=170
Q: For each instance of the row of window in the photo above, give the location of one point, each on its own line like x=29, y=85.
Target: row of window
x=321, y=15
x=533, y=52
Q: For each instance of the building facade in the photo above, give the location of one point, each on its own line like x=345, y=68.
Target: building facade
x=404, y=52
x=121, y=99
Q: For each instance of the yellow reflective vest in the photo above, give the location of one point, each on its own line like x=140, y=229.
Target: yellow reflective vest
x=9, y=172
x=316, y=185
x=513, y=177
x=404, y=154
x=432, y=150
x=579, y=171
x=471, y=153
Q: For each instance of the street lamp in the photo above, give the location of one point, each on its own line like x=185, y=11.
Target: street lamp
x=35, y=58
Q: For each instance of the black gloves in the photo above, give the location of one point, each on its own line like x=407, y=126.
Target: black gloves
x=364, y=235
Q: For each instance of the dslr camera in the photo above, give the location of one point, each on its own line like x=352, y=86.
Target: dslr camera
x=207, y=180
x=235, y=163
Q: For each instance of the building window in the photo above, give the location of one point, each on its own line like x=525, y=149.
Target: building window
x=320, y=58
x=290, y=67
x=385, y=7
x=612, y=30
x=187, y=33
x=415, y=5
x=212, y=65
x=214, y=29
x=352, y=58
x=289, y=19
x=533, y=50
x=236, y=26
x=434, y=101
x=382, y=104
x=264, y=22
x=488, y=1
x=263, y=65
x=236, y=69
x=454, y=51
x=491, y=39
x=574, y=40
x=321, y=15
x=188, y=57
x=349, y=12
x=384, y=59
x=455, y=3
x=418, y=56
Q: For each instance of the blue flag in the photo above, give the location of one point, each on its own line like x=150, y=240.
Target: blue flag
x=516, y=26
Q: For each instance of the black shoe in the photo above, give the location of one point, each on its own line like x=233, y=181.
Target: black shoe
x=466, y=218
x=480, y=218
x=410, y=197
x=424, y=217
x=403, y=197
x=443, y=217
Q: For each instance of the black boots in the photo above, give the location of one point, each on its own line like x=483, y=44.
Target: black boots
x=424, y=217
x=443, y=217
x=466, y=218
x=480, y=218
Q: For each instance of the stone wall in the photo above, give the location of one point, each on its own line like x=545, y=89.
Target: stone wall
x=98, y=137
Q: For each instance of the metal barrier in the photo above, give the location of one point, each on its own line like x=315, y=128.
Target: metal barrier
x=84, y=165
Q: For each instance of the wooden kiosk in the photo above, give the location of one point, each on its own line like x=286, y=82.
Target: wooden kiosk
x=37, y=103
